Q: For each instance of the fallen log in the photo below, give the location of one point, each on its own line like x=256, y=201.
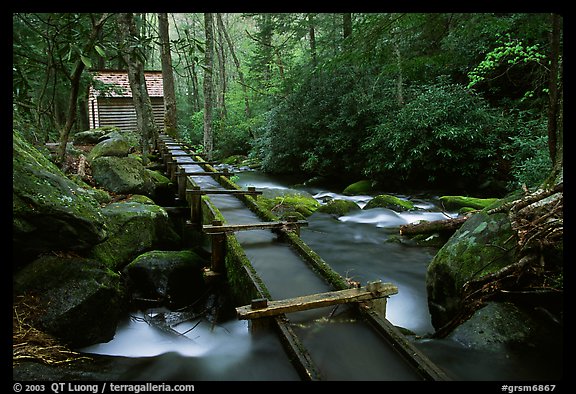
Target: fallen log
x=437, y=226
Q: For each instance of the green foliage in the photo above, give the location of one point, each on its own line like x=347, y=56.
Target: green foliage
x=530, y=159
x=444, y=133
x=362, y=106
x=317, y=127
x=509, y=52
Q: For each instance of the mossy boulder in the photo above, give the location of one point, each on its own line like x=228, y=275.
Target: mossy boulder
x=465, y=204
x=288, y=202
x=481, y=246
x=50, y=211
x=127, y=175
x=361, y=187
x=79, y=300
x=168, y=278
x=497, y=326
x=338, y=207
x=118, y=147
x=136, y=225
x=92, y=136
x=391, y=202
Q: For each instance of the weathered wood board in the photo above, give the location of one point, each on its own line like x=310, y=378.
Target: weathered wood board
x=230, y=228
x=273, y=308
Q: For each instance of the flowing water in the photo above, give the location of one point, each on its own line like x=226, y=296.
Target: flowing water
x=354, y=245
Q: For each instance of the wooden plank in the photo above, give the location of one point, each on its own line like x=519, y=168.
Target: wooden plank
x=230, y=228
x=225, y=173
x=273, y=308
x=222, y=191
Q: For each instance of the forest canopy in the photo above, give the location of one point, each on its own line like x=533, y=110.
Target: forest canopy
x=459, y=100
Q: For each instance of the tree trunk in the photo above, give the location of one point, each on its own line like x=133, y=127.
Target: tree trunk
x=75, y=87
x=236, y=62
x=208, y=64
x=445, y=226
x=221, y=103
x=143, y=105
x=170, y=117
x=399, y=81
x=312, y=41
x=346, y=25
x=553, y=88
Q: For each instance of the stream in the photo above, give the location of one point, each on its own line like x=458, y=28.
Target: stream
x=354, y=246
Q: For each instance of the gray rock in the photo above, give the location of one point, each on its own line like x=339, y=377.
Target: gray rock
x=50, y=212
x=80, y=300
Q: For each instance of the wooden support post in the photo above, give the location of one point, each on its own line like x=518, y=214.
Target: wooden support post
x=218, y=258
x=165, y=158
x=257, y=326
x=377, y=304
x=182, y=180
x=294, y=219
x=172, y=170
x=196, y=207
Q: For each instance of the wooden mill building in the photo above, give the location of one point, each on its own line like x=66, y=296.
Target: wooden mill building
x=110, y=99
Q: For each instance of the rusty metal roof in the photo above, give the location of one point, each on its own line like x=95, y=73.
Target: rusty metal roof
x=119, y=80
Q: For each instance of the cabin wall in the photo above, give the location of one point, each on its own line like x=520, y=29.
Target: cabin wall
x=120, y=112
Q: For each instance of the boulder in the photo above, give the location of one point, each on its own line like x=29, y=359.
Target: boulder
x=391, y=202
x=498, y=326
x=117, y=147
x=339, y=207
x=136, y=225
x=50, y=212
x=465, y=203
x=288, y=202
x=92, y=136
x=167, y=278
x=127, y=175
x=361, y=187
x=80, y=301
x=482, y=245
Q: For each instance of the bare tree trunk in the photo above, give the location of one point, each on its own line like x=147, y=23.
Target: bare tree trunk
x=170, y=116
x=75, y=87
x=142, y=103
x=208, y=64
x=553, y=88
x=312, y=40
x=399, y=81
x=236, y=62
x=190, y=68
x=346, y=24
x=221, y=103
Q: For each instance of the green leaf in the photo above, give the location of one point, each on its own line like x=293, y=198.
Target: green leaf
x=100, y=51
x=87, y=62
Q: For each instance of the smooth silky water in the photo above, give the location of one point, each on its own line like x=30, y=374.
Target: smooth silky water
x=341, y=347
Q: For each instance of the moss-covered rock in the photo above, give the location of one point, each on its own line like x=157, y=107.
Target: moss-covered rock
x=171, y=278
x=50, y=211
x=122, y=175
x=287, y=202
x=80, y=301
x=483, y=245
x=454, y=203
x=136, y=225
x=339, y=207
x=92, y=136
x=500, y=325
x=361, y=187
x=118, y=147
x=391, y=202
